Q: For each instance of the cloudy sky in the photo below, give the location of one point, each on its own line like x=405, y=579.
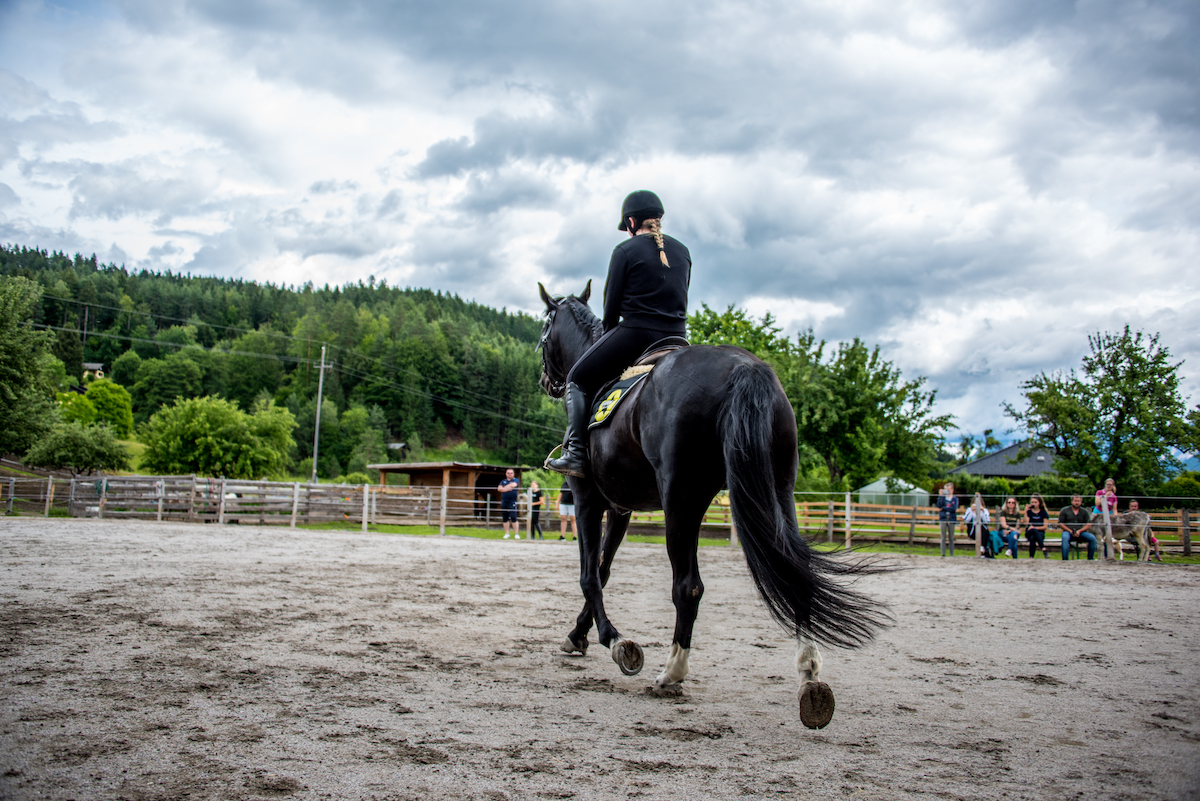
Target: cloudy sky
x=975, y=186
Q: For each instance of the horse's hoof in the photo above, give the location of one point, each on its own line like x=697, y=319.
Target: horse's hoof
x=628, y=656
x=816, y=704
x=665, y=690
x=569, y=647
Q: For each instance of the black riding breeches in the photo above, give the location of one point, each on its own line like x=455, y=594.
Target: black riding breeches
x=612, y=353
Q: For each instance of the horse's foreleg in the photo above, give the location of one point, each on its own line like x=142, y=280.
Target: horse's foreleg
x=589, y=512
x=614, y=535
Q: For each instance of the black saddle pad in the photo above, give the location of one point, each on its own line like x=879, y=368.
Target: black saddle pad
x=611, y=396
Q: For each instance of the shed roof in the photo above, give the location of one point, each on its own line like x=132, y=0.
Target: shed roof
x=997, y=465
x=410, y=467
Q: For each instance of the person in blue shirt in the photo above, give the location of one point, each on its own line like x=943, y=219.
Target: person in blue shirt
x=509, y=488
x=947, y=504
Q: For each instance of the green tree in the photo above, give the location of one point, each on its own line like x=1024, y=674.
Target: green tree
x=1121, y=418
x=212, y=437
x=79, y=448
x=971, y=448
x=113, y=405
x=69, y=350
x=125, y=367
x=27, y=381
x=76, y=408
x=160, y=381
x=859, y=415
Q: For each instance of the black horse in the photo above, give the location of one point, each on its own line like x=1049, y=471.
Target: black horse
x=705, y=418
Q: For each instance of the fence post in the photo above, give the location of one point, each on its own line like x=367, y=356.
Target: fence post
x=191, y=512
x=1108, y=537
x=103, y=497
x=12, y=488
x=295, y=501
x=442, y=515
x=221, y=505
x=529, y=512
x=912, y=524
x=428, y=508
x=978, y=526
x=1186, y=531
x=366, y=502
x=829, y=523
x=71, y=499
x=847, y=521
x=49, y=495
x=159, y=490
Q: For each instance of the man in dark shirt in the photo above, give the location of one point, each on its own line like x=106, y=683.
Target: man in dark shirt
x=508, y=489
x=1075, y=521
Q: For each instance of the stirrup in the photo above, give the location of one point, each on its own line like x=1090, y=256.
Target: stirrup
x=549, y=456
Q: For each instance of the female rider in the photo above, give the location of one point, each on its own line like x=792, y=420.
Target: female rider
x=645, y=300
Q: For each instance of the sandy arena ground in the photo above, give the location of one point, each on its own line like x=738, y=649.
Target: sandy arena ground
x=150, y=661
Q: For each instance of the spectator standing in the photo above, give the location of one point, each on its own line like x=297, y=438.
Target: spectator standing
x=566, y=511
x=536, y=502
x=509, y=488
x=985, y=519
x=1037, y=520
x=1009, y=525
x=1075, y=522
x=947, y=505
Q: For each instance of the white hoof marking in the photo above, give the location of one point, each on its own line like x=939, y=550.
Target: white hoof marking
x=677, y=667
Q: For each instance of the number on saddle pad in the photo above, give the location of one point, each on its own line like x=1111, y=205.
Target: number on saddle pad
x=611, y=396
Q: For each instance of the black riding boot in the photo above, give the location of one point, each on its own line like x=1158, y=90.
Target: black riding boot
x=574, y=458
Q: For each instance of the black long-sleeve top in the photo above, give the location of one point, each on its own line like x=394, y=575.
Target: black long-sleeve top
x=643, y=292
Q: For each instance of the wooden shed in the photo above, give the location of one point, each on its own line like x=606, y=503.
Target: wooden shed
x=468, y=485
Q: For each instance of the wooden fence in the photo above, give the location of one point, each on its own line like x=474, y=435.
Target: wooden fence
x=212, y=500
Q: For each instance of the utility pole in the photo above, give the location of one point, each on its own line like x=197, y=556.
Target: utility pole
x=317, y=429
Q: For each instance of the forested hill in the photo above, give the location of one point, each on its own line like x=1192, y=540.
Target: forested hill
x=432, y=363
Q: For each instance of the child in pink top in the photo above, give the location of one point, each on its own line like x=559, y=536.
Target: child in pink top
x=1106, y=497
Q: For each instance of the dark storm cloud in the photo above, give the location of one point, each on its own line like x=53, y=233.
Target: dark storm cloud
x=506, y=190
x=500, y=139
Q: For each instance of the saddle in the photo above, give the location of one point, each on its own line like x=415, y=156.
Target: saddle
x=645, y=363
x=612, y=393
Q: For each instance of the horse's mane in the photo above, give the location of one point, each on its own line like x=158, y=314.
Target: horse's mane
x=584, y=318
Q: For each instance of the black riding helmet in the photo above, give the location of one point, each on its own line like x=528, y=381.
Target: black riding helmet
x=642, y=205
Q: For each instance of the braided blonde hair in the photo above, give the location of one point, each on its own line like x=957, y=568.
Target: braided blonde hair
x=654, y=224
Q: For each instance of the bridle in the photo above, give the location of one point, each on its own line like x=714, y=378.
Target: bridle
x=551, y=380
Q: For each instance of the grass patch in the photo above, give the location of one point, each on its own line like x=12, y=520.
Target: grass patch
x=477, y=533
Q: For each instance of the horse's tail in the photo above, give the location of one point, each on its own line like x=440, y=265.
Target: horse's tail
x=800, y=586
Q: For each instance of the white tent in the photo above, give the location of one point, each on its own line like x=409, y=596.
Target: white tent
x=905, y=495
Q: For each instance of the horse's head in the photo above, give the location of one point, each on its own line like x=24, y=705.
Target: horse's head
x=565, y=337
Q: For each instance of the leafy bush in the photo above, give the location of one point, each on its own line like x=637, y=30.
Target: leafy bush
x=113, y=405
x=79, y=448
x=212, y=437
x=76, y=408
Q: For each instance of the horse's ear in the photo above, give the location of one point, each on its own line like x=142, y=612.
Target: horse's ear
x=586, y=293
x=550, y=304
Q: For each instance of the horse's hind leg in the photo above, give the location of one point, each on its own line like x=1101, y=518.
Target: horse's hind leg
x=614, y=535
x=816, y=699
x=683, y=531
